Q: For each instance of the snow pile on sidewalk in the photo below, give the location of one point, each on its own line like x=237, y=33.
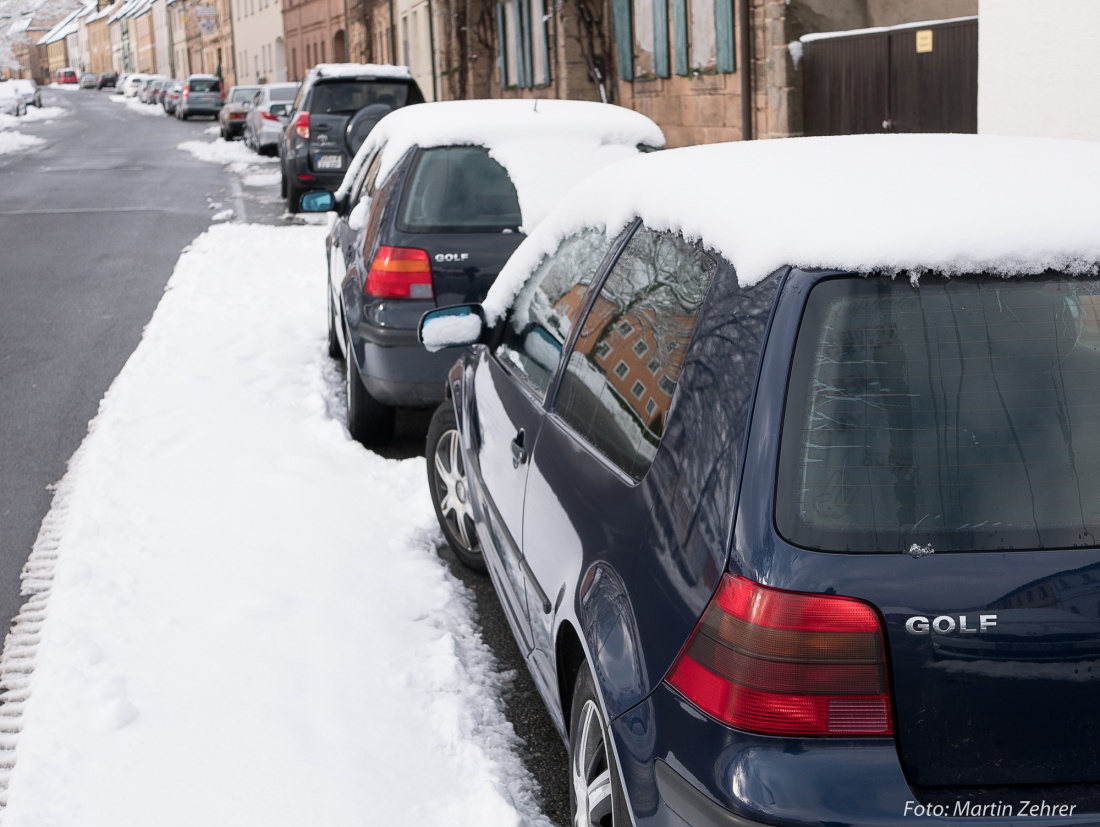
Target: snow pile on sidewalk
x=136, y=105
x=234, y=154
x=247, y=623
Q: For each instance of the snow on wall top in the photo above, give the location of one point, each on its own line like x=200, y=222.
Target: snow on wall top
x=546, y=146
x=893, y=203
x=808, y=38
x=377, y=70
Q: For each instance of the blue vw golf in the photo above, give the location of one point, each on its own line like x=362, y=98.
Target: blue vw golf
x=784, y=459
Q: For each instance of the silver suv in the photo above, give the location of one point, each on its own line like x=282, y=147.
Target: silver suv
x=201, y=95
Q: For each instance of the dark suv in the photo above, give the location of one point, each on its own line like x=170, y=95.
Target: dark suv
x=336, y=107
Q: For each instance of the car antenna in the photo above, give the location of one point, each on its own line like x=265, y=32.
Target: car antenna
x=536, y=104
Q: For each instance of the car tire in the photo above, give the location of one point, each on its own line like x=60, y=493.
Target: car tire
x=225, y=135
x=593, y=771
x=450, y=488
x=334, y=351
x=293, y=197
x=369, y=421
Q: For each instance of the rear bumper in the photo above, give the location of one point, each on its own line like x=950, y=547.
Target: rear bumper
x=398, y=371
x=681, y=768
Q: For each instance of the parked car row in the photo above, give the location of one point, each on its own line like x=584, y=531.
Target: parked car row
x=783, y=537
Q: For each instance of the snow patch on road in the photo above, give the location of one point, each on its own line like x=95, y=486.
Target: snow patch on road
x=16, y=141
x=237, y=615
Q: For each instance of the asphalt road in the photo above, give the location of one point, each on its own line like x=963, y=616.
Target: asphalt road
x=91, y=226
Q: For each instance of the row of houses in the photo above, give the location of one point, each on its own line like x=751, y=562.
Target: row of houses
x=705, y=70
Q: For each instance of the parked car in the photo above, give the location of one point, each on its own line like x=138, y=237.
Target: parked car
x=789, y=488
x=434, y=203
x=29, y=89
x=11, y=99
x=132, y=84
x=148, y=88
x=88, y=80
x=232, y=114
x=201, y=95
x=67, y=76
x=106, y=80
x=172, y=94
x=267, y=117
x=335, y=109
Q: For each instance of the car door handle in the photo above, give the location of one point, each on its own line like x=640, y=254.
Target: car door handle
x=519, y=455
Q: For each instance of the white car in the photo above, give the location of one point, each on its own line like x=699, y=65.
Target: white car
x=29, y=90
x=132, y=85
x=11, y=100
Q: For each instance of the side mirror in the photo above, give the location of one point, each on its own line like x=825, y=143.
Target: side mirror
x=278, y=109
x=319, y=201
x=458, y=325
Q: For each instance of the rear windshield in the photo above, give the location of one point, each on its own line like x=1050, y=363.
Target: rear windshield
x=459, y=189
x=206, y=85
x=242, y=95
x=283, y=95
x=346, y=97
x=960, y=416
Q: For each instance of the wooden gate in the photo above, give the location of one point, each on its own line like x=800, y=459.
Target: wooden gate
x=907, y=79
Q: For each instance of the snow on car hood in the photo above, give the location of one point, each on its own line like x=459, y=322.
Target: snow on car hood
x=867, y=203
x=546, y=146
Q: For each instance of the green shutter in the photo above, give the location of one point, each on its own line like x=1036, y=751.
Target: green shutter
x=660, y=37
x=502, y=47
x=524, y=7
x=521, y=59
x=680, y=35
x=723, y=20
x=624, y=37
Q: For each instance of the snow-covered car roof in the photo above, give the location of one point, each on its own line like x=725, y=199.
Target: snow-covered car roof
x=546, y=146
x=900, y=204
x=355, y=70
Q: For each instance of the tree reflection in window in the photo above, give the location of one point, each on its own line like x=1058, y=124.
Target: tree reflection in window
x=547, y=307
x=655, y=291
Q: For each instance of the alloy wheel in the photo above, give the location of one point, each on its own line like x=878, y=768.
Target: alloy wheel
x=452, y=488
x=590, y=772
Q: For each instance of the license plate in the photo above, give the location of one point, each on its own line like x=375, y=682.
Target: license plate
x=329, y=161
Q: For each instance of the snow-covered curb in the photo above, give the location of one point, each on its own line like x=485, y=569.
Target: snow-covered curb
x=247, y=622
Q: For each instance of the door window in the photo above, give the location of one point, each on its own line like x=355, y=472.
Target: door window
x=610, y=393
x=548, y=306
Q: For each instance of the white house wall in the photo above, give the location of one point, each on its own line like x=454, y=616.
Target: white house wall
x=258, y=32
x=414, y=43
x=1038, y=72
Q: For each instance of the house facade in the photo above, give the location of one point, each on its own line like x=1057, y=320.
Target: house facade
x=1052, y=92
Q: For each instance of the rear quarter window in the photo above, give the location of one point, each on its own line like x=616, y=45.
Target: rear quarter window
x=960, y=416
x=618, y=386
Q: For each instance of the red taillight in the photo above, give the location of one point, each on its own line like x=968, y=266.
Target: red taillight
x=301, y=126
x=267, y=116
x=186, y=91
x=400, y=273
x=786, y=663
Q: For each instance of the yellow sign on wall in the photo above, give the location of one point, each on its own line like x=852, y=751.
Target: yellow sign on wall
x=924, y=41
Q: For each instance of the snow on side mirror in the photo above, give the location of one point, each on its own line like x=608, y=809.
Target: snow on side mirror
x=462, y=324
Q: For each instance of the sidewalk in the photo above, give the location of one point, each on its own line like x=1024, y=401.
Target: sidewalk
x=246, y=621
